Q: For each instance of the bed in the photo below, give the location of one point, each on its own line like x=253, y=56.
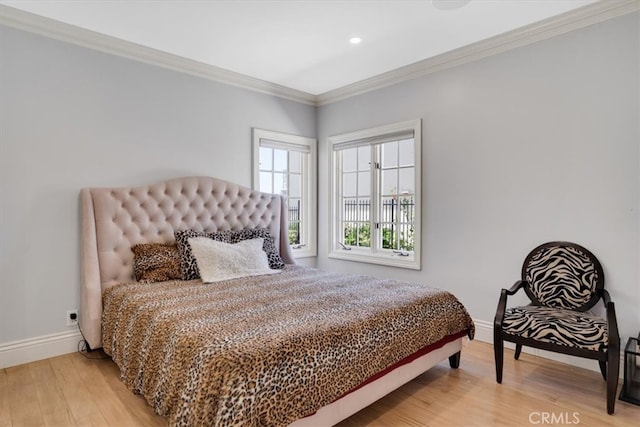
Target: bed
x=303, y=347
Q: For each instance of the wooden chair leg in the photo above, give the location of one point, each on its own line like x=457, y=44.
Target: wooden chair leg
x=612, y=379
x=603, y=369
x=454, y=360
x=498, y=350
x=518, y=350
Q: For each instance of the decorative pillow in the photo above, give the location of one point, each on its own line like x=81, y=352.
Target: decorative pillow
x=269, y=246
x=156, y=262
x=218, y=261
x=188, y=265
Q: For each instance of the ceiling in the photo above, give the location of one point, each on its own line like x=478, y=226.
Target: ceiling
x=303, y=45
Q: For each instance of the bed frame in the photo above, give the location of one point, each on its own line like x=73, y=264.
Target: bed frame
x=114, y=219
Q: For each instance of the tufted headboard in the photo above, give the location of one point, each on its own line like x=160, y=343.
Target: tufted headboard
x=115, y=219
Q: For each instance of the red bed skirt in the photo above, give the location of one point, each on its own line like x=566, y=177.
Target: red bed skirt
x=407, y=360
x=410, y=359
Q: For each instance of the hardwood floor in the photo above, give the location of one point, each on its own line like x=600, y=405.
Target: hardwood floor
x=72, y=390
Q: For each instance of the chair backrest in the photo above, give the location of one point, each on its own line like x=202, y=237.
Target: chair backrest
x=563, y=275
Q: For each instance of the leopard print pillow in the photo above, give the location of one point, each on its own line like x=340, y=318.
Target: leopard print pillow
x=156, y=262
x=188, y=265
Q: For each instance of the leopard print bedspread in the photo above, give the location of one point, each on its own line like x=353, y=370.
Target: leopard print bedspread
x=267, y=350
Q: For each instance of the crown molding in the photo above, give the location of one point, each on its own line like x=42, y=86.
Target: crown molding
x=564, y=23
x=22, y=20
x=573, y=20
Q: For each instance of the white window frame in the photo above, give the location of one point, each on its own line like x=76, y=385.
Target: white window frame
x=262, y=137
x=373, y=254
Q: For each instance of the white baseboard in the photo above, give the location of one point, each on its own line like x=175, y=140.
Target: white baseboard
x=484, y=333
x=32, y=349
x=29, y=350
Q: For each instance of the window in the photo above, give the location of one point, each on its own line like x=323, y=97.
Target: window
x=286, y=164
x=375, y=208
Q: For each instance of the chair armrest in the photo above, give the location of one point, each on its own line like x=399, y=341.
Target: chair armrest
x=516, y=287
x=612, y=323
x=502, y=303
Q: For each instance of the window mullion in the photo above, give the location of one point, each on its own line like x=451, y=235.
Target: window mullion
x=376, y=229
x=273, y=171
x=304, y=202
x=287, y=174
x=357, y=194
x=339, y=232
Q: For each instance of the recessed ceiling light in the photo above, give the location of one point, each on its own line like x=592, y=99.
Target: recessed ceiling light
x=355, y=40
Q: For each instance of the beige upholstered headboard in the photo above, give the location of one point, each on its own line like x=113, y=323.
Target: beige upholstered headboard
x=114, y=219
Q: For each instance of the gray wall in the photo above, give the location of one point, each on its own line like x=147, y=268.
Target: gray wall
x=535, y=144
x=73, y=117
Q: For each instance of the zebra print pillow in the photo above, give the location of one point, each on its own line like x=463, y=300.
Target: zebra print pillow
x=561, y=277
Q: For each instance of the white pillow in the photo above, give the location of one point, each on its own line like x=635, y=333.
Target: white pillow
x=219, y=261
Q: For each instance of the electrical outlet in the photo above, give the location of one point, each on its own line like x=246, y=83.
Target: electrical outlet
x=72, y=317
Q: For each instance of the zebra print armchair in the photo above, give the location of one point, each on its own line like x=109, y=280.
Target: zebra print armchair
x=564, y=281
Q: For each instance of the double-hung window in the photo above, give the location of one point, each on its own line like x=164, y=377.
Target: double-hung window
x=286, y=164
x=375, y=202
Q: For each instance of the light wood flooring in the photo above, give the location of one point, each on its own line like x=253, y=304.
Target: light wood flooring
x=72, y=390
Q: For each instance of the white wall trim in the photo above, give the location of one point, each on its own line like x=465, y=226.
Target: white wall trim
x=484, y=333
x=551, y=27
x=32, y=349
x=573, y=20
x=374, y=254
x=82, y=37
x=309, y=178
